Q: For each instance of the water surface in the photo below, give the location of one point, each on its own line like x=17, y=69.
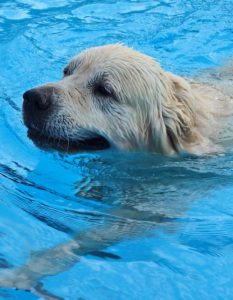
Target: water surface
x=168, y=221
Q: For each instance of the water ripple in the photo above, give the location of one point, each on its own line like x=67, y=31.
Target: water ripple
x=140, y=220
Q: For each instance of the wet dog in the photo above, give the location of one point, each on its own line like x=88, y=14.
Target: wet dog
x=115, y=96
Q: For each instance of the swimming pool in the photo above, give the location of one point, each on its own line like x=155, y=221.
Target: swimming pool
x=178, y=242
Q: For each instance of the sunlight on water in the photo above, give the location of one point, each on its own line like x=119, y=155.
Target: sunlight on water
x=147, y=226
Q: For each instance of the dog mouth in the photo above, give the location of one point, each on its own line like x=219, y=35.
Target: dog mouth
x=45, y=142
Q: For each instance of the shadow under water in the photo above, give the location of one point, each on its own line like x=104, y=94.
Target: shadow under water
x=118, y=196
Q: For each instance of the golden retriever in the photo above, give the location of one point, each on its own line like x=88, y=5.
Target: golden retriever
x=114, y=95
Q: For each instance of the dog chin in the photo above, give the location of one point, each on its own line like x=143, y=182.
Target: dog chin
x=47, y=143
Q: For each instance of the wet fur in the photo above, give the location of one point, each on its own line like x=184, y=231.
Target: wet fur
x=149, y=109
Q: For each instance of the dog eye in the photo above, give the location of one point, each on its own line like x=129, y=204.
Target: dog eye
x=103, y=90
x=66, y=72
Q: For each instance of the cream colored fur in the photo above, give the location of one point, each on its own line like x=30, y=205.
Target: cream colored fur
x=153, y=111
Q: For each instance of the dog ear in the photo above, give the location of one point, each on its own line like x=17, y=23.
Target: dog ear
x=179, y=111
x=174, y=115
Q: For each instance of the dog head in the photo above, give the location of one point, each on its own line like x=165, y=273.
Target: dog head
x=111, y=95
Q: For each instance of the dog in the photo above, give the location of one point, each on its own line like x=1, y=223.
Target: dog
x=115, y=96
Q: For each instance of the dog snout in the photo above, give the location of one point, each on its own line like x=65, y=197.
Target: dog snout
x=37, y=105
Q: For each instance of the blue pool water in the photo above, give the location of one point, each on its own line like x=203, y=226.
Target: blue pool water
x=176, y=239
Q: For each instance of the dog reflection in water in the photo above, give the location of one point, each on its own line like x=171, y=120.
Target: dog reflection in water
x=145, y=194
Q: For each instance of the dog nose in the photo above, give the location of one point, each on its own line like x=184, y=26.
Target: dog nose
x=37, y=99
x=39, y=105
